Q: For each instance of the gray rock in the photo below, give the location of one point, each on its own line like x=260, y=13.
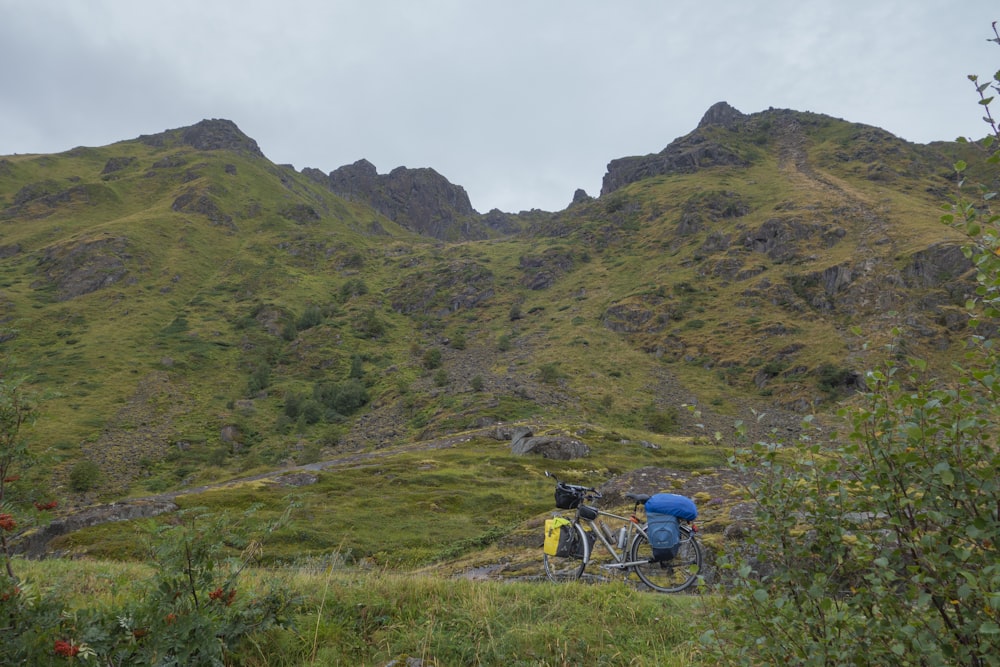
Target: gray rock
x=560, y=448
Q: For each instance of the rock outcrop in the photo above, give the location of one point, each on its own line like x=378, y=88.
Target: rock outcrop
x=685, y=155
x=206, y=135
x=558, y=447
x=35, y=544
x=421, y=200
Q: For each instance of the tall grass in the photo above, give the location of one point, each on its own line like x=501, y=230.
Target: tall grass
x=373, y=618
x=357, y=617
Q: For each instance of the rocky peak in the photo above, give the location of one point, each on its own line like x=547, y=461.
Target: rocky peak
x=354, y=181
x=685, y=155
x=207, y=135
x=580, y=197
x=422, y=200
x=722, y=114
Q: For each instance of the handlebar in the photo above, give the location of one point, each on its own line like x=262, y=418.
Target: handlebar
x=577, y=488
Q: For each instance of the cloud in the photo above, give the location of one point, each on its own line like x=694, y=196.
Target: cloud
x=520, y=102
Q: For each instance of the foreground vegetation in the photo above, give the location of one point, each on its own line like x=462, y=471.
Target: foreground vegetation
x=353, y=617
x=884, y=548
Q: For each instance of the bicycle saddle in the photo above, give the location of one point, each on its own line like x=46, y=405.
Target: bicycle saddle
x=638, y=497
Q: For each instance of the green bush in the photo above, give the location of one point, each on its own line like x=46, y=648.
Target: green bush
x=313, y=316
x=884, y=549
x=550, y=373
x=195, y=611
x=84, y=476
x=432, y=358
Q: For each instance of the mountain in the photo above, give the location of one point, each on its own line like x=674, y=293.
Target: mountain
x=190, y=310
x=420, y=200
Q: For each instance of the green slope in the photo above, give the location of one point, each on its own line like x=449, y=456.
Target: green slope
x=191, y=311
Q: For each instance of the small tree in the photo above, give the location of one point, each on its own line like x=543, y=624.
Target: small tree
x=886, y=549
x=16, y=412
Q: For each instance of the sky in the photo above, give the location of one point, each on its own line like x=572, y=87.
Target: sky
x=521, y=102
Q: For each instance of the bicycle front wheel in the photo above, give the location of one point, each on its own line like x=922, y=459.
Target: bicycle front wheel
x=569, y=568
x=668, y=576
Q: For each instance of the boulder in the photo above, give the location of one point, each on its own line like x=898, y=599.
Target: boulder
x=558, y=447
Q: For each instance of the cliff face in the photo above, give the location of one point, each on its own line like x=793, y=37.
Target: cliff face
x=420, y=200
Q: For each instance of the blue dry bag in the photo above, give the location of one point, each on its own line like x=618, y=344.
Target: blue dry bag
x=681, y=507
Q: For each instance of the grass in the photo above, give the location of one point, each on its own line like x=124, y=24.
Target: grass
x=359, y=617
x=405, y=509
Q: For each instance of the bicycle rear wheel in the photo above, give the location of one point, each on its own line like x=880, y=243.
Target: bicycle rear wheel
x=569, y=568
x=669, y=576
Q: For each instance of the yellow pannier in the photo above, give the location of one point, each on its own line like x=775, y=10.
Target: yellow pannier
x=557, y=532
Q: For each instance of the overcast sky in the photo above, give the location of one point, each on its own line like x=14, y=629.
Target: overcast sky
x=519, y=101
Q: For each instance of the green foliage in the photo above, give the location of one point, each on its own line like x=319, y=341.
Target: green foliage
x=194, y=610
x=550, y=373
x=345, y=616
x=354, y=287
x=84, y=476
x=357, y=367
x=370, y=325
x=885, y=549
x=834, y=380
x=656, y=419
x=432, y=358
x=342, y=398
x=313, y=316
x=17, y=410
x=329, y=401
x=260, y=379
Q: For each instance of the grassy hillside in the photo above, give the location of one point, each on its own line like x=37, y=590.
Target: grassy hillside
x=189, y=312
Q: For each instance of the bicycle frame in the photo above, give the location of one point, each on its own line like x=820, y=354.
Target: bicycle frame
x=600, y=531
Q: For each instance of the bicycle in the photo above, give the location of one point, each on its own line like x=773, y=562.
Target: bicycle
x=589, y=530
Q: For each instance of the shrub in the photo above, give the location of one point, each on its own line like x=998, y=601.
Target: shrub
x=660, y=421
x=549, y=373
x=84, y=476
x=357, y=367
x=370, y=325
x=432, y=358
x=883, y=549
x=195, y=611
x=260, y=379
x=313, y=316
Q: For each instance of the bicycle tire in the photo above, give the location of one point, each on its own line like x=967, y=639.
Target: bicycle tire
x=671, y=576
x=560, y=569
